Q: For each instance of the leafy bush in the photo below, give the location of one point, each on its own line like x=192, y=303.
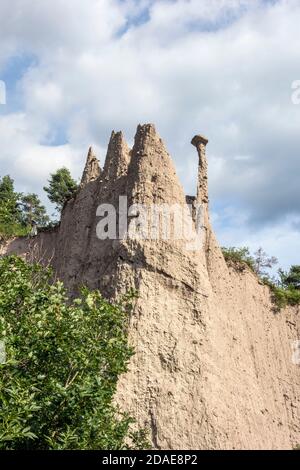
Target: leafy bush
x=9, y=230
x=283, y=297
x=285, y=291
x=240, y=257
x=63, y=360
x=292, y=297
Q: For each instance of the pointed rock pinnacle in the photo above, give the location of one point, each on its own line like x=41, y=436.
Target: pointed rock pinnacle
x=92, y=168
x=151, y=176
x=117, y=157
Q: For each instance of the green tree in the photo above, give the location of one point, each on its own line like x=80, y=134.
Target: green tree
x=290, y=279
x=63, y=360
x=7, y=191
x=10, y=213
x=33, y=212
x=8, y=201
x=61, y=187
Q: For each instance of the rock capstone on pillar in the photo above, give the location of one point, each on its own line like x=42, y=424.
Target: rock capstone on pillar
x=200, y=142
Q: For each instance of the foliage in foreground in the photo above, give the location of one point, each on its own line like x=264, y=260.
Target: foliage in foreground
x=63, y=360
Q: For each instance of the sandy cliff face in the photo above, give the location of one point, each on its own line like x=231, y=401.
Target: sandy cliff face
x=40, y=248
x=213, y=365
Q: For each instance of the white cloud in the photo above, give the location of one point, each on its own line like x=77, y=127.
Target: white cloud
x=31, y=163
x=54, y=25
x=280, y=239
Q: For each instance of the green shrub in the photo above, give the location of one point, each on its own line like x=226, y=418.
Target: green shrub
x=10, y=230
x=282, y=296
x=285, y=291
x=240, y=257
x=63, y=360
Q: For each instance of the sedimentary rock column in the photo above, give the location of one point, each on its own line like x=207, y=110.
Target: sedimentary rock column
x=152, y=177
x=200, y=143
x=201, y=201
x=92, y=168
x=117, y=158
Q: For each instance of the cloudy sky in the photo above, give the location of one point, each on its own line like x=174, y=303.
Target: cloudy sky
x=76, y=69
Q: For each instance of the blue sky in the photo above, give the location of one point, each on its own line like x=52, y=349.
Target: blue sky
x=221, y=68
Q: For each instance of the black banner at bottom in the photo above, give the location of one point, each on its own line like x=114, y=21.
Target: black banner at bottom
x=136, y=459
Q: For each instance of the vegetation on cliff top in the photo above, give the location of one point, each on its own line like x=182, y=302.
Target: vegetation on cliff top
x=23, y=214
x=285, y=288
x=19, y=213
x=61, y=188
x=259, y=263
x=63, y=360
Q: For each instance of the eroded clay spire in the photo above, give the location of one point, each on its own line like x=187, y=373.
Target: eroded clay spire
x=201, y=202
x=151, y=175
x=117, y=157
x=200, y=142
x=92, y=168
